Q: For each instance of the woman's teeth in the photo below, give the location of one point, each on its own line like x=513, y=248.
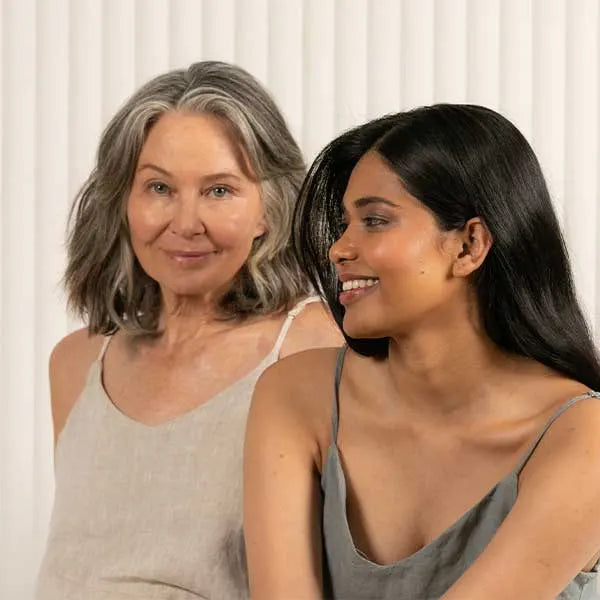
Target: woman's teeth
x=354, y=284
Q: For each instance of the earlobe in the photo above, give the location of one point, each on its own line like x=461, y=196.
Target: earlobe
x=261, y=229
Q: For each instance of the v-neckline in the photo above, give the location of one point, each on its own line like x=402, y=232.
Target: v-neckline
x=510, y=479
x=212, y=400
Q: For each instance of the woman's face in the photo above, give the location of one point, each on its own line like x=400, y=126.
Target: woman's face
x=393, y=261
x=192, y=211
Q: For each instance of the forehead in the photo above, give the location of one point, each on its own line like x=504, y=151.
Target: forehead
x=372, y=177
x=183, y=140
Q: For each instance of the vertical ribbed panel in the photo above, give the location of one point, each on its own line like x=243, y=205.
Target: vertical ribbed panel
x=286, y=41
x=384, y=48
x=20, y=248
x=516, y=42
x=351, y=19
x=86, y=91
x=418, y=53
x=483, y=53
x=185, y=31
x=67, y=65
x=51, y=207
x=152, y=41
x=218, y=30
x=118, y=54
x=548, y=111
x=450, y=51
x=318, y=95
x=252, y=38
x=581, y=186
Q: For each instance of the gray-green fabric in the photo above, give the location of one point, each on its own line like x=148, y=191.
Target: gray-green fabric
x=152, y=512
x=428, y=573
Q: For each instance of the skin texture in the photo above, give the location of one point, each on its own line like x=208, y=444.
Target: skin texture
x=193, y=211
x=424, y=434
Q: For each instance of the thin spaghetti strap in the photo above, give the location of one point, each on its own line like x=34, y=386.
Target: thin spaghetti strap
x=335, y=410
x=558, y=413
x=104, y=347
x=292, y=314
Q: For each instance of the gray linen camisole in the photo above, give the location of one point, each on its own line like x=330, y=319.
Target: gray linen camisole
x=150, y=511
x=428, y=573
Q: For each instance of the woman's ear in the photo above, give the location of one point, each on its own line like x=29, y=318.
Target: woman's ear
x=261, y=228
x=476, y=243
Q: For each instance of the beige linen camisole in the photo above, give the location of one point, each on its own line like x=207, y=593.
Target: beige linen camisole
x=150, y=511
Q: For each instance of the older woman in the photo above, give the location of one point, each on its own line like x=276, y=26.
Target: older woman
x=180, y=263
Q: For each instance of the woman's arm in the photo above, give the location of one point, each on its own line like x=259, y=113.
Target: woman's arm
x=553, y=530
x=282, y=504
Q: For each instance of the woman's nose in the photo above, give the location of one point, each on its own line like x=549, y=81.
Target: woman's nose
x=187, y=220
x=343, y=248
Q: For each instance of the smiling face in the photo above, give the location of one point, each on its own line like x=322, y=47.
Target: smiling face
x=394, y=261
x=193, y=210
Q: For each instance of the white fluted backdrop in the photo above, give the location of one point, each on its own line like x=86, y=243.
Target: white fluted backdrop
x=66, y=65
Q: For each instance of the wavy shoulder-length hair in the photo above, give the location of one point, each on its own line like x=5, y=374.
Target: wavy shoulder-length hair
x=463, y=161
x=106, y=285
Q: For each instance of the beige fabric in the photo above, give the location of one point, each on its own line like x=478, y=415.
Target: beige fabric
x=150, y=512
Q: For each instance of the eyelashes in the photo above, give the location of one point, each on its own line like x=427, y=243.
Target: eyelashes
x=374, y=221
x=160, y=188
x=220, y=191
x=369, y=222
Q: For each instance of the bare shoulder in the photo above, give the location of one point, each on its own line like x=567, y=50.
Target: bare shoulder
x=69, y=363
x=296, y=394
x=571, y=442
x=552, y=531
x=314, y=327
x=300, y=373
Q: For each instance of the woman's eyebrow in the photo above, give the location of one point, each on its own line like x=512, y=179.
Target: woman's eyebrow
x=366, y=200
x=154, y=168
x=220, y=176
x=205, y=178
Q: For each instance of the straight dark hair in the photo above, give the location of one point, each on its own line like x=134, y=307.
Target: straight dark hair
x=463, y=161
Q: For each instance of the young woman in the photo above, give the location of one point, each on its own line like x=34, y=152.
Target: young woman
x=180, y=263
x=452, y=450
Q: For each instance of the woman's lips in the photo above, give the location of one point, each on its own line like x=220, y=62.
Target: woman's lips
x=188, y=257
x=350, y=296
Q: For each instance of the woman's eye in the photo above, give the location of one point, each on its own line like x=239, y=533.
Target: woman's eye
x=220, y=191
x=374, y=221
x=162, y=189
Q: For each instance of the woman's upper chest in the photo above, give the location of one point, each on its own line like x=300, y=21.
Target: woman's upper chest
x=403, y=491
x=152, y=386
x=408, y=481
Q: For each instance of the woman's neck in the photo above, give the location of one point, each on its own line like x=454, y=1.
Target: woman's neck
x=187, y=320
x=452, y=372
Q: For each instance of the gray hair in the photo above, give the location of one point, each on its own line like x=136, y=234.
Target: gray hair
x=106, y=285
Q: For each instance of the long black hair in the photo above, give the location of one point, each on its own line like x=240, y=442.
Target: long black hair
x=463, y=161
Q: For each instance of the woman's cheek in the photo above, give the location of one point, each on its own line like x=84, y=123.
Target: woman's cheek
x=146, y=219
x=233, y=229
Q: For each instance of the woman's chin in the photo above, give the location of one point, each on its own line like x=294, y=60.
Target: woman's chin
x=191, y=289
x=363, y=330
